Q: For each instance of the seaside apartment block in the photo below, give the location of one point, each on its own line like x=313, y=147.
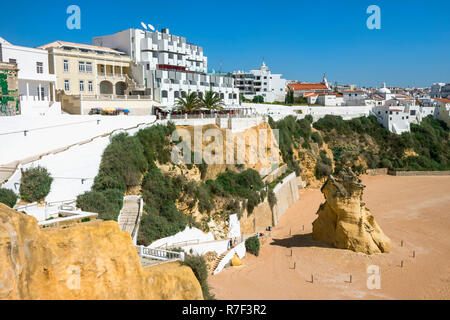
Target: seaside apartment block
x=36, y=84
x=261, y=82
x=168, y=67
x=90, y=76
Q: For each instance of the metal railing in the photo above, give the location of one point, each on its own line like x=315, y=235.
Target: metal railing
x=179, y=244
x=160, y=254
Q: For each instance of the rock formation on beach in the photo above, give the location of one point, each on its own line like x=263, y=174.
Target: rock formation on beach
x=343, y=220
x=92, y=260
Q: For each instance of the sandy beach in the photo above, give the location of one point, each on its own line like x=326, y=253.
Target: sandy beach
x=415, y=210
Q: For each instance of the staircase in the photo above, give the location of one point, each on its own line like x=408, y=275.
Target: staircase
x=132, y=85
x=216, y=263
x=129, y=215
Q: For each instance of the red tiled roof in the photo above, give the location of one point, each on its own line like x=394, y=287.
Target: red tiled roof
x=442, y=100
x=307, y=86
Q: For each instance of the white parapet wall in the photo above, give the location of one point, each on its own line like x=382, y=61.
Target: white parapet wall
x=183, y=238
x=73, y=168
x=286, y=193
x=219, y=247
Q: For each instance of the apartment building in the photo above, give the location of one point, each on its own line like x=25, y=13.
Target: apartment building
x=90, y=77
x=35, y=82
x=261, y=82
x=168, y=66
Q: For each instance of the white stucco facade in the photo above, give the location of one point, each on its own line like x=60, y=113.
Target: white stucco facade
x=36, y=84
x=169, y=66
x=261, y=82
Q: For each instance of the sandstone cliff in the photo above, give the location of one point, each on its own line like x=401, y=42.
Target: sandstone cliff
x=343, y=220
x=93, y=260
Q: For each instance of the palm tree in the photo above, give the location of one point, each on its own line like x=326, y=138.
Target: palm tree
x=212, y=101
x=190, y=103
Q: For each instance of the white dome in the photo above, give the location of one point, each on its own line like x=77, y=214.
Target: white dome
x=384, y=90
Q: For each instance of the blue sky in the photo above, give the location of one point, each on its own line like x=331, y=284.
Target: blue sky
x=300, y=39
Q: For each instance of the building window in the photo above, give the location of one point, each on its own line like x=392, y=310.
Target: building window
x=179, y=57
x=170, y=55
x=88, y=67
x=66, y=65
x=39, y=67
x=90, y=87
x=148, y=66
x=81, y=67
x=164, y=94
x=66, y=85
x=12, y=61
x=81, y=85
x=40, y=92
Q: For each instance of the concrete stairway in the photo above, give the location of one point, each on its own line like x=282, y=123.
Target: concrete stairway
x=129, y=215
x=216, y=263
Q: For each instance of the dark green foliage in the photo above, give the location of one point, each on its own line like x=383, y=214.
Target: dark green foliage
x=240, y=184
x=430, y=140
x=161, y=218
x=317, y=138
x=8, y=197
x=35, y=184
x=291, y=133
x=155, y=140
x=252, y=245
x=87, y=219
x=106, y=203
x=258, y=99
x=198, y=266
x=123, y=161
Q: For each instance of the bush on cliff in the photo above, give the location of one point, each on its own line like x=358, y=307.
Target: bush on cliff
x=35, y=184
x=198, y=266
x=123, y=160
x=106, y=203
x=161, y=218
x=8, y=197
x=155, y=140
x=429, y=142
x=252, y=245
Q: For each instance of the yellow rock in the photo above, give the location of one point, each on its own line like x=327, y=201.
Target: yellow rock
x=94, y=260
x=343, y=220
x=236, y=261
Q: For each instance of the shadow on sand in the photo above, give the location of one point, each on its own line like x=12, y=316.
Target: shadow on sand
x=298, y=241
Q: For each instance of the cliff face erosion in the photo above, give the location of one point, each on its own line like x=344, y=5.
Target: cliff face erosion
x=92, y=260
x=343, y=220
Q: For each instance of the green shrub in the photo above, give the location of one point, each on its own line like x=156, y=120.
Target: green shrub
x=317, y=138
x=106, y=203
x=87, y=219
x=198, y=266
x=123, y=161
x=8, y=197
x=35, y=184
x=155, y=140
x=252, y=245
x=322, y=170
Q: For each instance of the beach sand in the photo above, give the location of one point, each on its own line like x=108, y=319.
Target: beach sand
x=413, y=209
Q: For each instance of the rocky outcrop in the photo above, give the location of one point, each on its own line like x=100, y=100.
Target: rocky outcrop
x=343, y=220
x=92, y=260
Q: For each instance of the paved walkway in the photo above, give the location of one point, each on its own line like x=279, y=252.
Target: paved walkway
x=129, y=215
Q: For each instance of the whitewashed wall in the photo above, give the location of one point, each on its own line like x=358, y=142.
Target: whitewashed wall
x=239, y=250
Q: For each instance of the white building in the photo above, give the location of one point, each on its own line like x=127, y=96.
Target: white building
x=436, y=90
x=261, y=82
x=36, y=84
x=168, y=66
